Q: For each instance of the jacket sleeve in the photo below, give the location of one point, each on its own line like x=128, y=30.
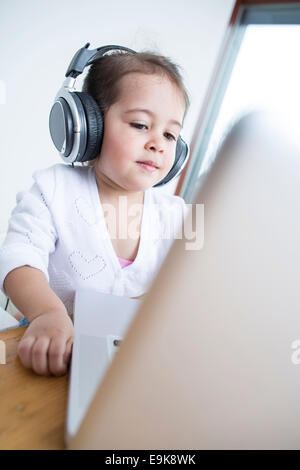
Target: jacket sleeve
x=31, y=234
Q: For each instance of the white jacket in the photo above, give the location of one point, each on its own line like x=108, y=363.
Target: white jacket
x=58, y=226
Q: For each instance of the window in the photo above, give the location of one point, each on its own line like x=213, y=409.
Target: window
x=261, y=69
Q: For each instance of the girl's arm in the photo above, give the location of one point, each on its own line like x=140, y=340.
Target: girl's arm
x=30, y=292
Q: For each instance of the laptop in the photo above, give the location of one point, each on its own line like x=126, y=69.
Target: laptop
x=100, y=322
x=211, y=358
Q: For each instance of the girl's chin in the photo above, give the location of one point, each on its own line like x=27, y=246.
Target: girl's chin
x=141, y=185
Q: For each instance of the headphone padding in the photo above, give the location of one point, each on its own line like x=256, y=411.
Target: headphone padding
x=181, y=156
x=94, y=122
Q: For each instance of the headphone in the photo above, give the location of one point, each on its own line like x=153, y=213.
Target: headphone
x=76, y=122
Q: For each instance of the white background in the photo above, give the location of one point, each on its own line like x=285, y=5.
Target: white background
x=38, y=39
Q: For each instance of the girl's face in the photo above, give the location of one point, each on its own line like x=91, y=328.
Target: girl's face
x=143, y=125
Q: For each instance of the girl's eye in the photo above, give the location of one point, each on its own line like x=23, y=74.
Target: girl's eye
x=170, y=136
x=137, y=125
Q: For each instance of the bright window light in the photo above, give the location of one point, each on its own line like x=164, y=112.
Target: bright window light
x=266, y=75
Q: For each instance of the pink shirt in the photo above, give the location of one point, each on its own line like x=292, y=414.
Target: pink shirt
x=124, y=262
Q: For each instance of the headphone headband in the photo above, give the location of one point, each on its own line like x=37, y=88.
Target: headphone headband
x=84, y=57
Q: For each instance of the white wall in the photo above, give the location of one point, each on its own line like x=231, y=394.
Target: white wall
x=38, y=39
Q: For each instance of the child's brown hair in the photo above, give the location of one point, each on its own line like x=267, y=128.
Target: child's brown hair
x=102, y=81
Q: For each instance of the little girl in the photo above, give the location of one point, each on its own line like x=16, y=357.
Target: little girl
x=100, y=226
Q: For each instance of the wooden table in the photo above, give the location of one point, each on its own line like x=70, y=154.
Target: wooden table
x=32, y=407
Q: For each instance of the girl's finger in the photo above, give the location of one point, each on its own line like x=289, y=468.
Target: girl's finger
x=68, y=352
x=56, y=353
x=39, y=356
x=25, y=350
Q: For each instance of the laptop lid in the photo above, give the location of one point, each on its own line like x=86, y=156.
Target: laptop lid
x=209, y=361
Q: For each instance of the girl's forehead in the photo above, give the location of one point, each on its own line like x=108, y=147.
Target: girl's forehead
x=138, y=84
x=140, y=89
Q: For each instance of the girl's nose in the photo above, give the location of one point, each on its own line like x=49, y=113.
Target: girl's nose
x=155, y=144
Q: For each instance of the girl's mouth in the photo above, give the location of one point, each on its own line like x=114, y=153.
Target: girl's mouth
x=147, y=166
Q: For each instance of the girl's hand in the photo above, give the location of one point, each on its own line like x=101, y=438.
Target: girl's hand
x=47, y=344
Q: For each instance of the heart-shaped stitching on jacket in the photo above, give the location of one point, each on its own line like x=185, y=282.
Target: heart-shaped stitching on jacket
x=84, y=267
x=85, y=211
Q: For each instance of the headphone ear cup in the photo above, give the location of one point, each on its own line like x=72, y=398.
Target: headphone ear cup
x=181, y=157
x=94, y=126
